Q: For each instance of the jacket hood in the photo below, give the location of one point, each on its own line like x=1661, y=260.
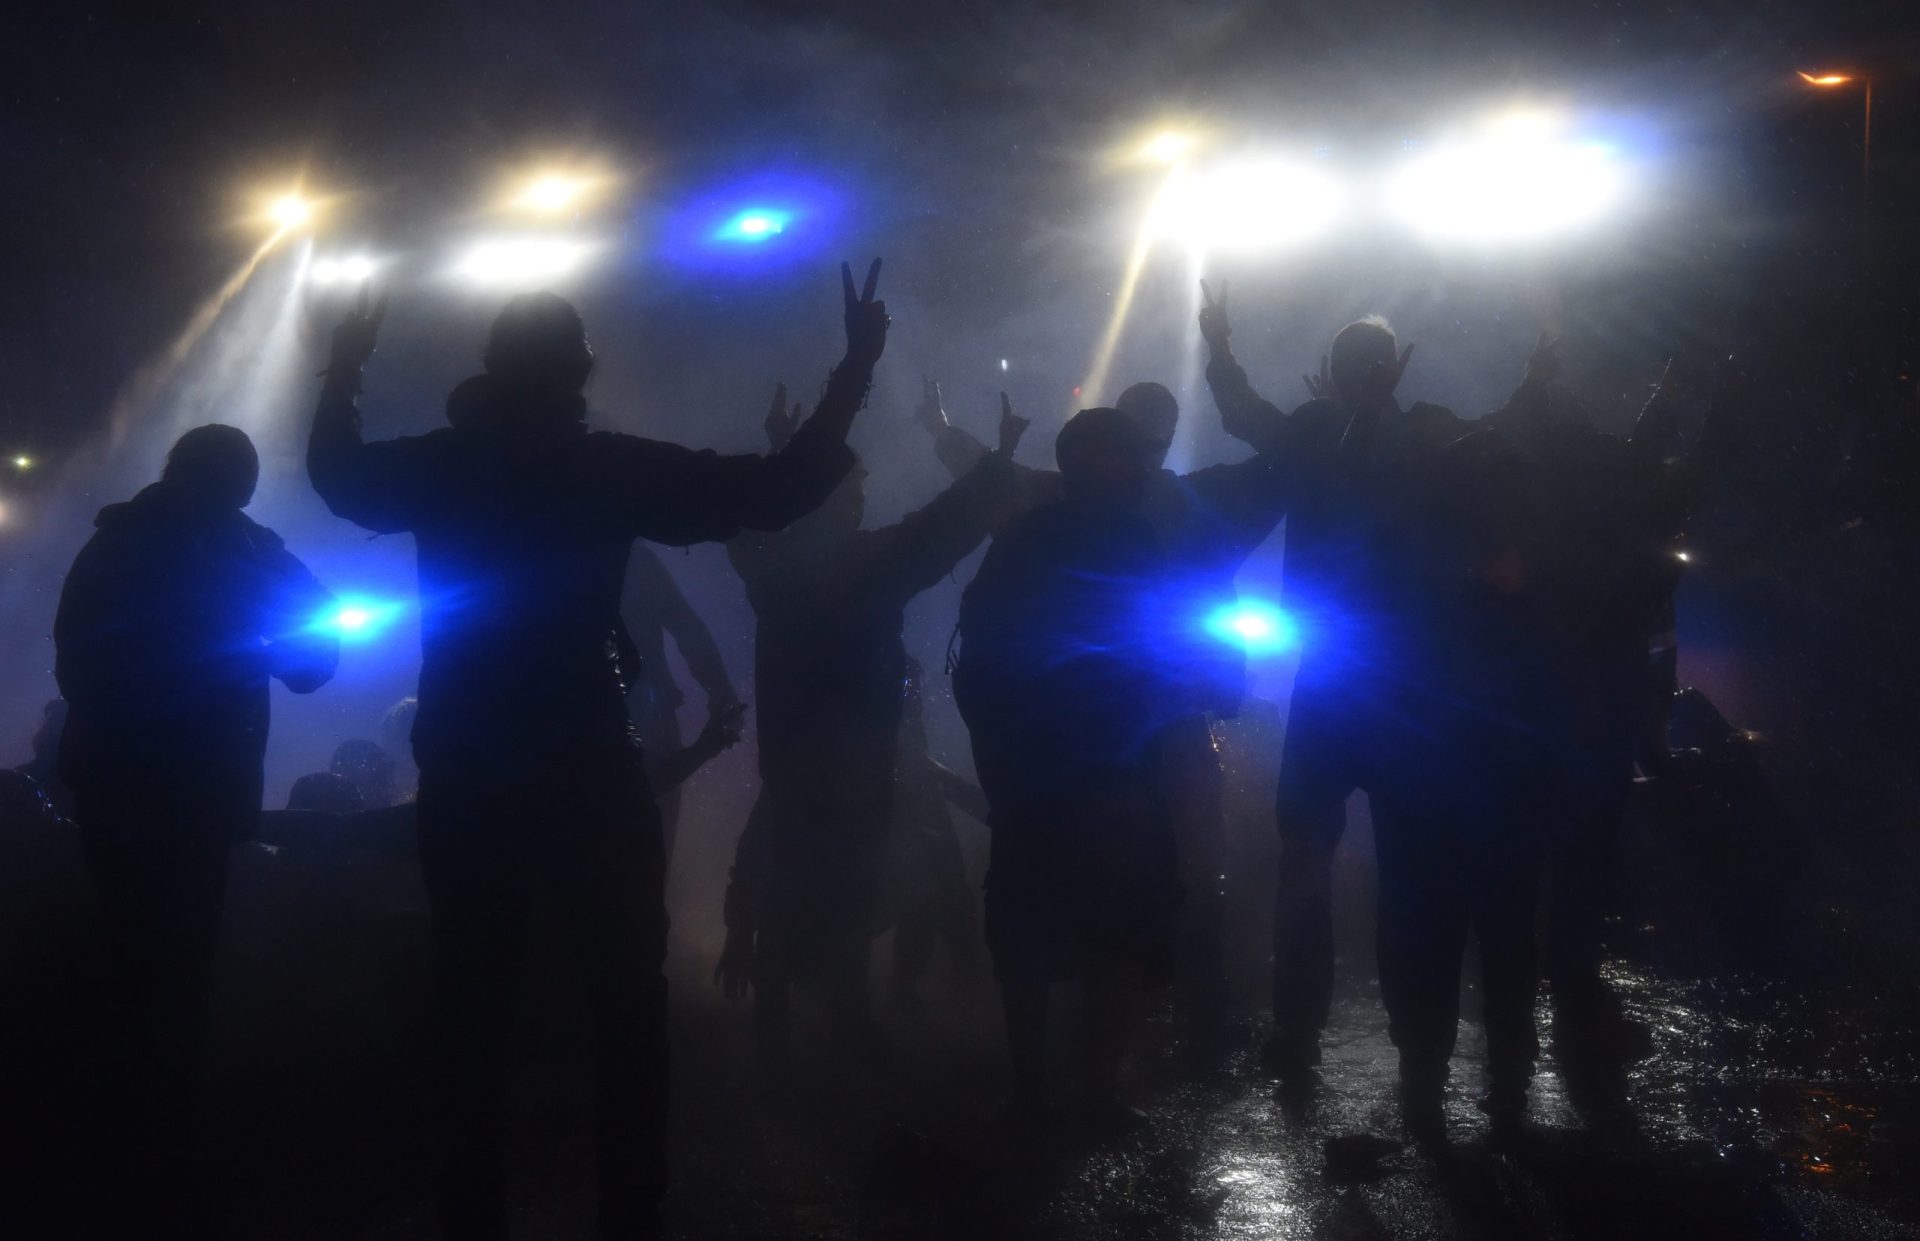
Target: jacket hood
x=487, y=402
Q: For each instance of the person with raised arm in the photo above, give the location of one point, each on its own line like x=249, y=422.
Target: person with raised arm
x=523, y=518
x=829, y=670
x=1210, y=520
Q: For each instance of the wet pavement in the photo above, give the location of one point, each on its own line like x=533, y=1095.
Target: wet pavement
x=1762, y=1112
x=1777, y=1106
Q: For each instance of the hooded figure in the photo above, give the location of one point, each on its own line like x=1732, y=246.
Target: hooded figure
x=1074, y=663
x=1209, y=521
x=172, y=621
x=830, y=600
x=1355, y=548
x=524, y=519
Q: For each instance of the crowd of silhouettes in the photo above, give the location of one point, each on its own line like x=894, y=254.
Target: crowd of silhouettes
x=1486, y=608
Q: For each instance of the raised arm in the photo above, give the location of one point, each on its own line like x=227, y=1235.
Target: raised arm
x=957, y=448
x=924, y=546
x=1244, y=414
x=1686, y=478
x=1376, y=396
x=1526, y=408
x=677, y=496
x=379, y=485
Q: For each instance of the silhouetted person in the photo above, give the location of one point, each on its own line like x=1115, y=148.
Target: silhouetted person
x=524, y=521
x=24, y=804
x=927, y=883
x=653, y=609
x=1604, y=514
x=44, y=766
x=1459, y=807
x=369, y=768
x=1342, y=586
x=326, y=792
x=828, y=667
x=396, y=738
x=1073, y=664
x=173, y=619
x=1209, y=520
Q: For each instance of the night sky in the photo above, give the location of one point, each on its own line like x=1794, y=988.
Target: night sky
x=962, y=134
x=971, y=145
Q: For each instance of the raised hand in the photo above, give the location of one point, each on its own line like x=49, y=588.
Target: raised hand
x=1012, y=426
x=1320, y=387
x=1214, y=328
x=354, y=339
x=1543, y=365
x=930, y=413
x=1377, y=388
x=867, y=319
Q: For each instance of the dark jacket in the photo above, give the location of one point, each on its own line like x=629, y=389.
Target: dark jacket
x=1208, y=522
x=523, y=520
x=1076, y=650
x=828, y=657
x=172, y=620
x=1347, y=529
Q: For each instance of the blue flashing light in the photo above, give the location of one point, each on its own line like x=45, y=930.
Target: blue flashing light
x=754, y=225
x=1254, y=625
x=356, y=618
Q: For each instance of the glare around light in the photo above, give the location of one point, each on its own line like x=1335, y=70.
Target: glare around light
x=1248, y=206
x=551, y=193
x=1254, y=625
x=521, y=260
x=1825, y=79
x=291, y=211
x=356, y=619
x=23, y=462
x=754, y=225
x=1521, y=179
x=353, y=269
x=1166, y=147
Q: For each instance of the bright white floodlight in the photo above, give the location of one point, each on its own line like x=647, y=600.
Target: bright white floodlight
x=353, y=269
x=551, y=193
x=290, y=211
x=1249, y=206
x=1521, y=180
x=1169, y=146
x=521, y=260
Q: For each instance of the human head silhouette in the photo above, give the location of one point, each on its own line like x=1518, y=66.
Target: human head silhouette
x=1357, y=348
x=215, y=466
x=1102, y=457
x=1156, y=413
x=539, y=341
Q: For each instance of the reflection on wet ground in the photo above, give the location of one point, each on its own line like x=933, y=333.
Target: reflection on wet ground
x=1764, y=1112
x=1768, y=1108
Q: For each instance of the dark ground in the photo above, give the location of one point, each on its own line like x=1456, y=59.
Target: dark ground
x=1781, y=1104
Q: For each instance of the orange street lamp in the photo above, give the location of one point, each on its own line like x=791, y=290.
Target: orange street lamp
x=1827, y=81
